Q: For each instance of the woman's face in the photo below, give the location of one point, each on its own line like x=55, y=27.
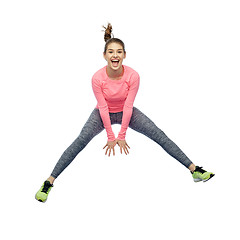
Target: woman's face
x=114, y=56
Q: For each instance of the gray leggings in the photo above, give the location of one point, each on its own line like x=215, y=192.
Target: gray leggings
x=139, y=122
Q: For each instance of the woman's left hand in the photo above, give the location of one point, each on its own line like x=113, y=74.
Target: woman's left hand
x=123, y=146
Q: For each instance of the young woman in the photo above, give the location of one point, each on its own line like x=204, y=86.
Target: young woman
x=115, y=87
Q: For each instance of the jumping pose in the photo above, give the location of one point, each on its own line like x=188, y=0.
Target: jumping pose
x=115, y=87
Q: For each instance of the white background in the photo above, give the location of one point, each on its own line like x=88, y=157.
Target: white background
x=187, y=54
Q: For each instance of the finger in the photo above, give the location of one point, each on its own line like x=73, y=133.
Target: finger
x=109, y=152
x=104, y=146
x=106, y=151
x=113, y=151
x=125, y=150
x=127, y=145
x=121, y=149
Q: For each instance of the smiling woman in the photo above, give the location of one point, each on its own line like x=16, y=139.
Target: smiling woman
x=115, y=87
x=114, y=53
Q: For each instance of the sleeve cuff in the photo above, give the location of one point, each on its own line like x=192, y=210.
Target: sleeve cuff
x=121, y=137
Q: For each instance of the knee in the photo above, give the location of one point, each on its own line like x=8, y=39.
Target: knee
x=83, y=140
x=160, y=137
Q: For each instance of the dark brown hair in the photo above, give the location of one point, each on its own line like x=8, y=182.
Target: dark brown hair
x=109, y=39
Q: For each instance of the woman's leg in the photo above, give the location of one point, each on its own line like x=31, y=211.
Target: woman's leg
x=92, y=127
x=142, y=124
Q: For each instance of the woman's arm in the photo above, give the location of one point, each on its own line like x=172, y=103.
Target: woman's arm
x=103, y=108
x=128, y=106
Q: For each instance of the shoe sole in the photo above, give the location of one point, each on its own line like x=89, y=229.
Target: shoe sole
x=199, y=179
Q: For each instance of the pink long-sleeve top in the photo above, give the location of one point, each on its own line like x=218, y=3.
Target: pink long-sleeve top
x=115, y=96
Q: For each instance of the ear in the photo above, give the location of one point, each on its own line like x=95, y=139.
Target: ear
x=104, y=55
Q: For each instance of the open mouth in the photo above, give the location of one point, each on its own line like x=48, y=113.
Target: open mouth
x=115, y=63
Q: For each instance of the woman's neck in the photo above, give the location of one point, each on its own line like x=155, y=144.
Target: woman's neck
x=115, y=75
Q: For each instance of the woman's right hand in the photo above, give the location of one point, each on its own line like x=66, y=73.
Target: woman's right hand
x=110, y=147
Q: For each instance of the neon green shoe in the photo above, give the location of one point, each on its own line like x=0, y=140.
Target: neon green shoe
x=201, y=175
x=42, y=194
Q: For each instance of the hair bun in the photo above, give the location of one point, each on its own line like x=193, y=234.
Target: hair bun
x=108, y=32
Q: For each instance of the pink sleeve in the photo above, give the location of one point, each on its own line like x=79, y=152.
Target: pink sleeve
x=103, y=108
x=128, y=106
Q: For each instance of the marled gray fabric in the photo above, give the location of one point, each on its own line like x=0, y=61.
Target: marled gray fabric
x=139, y=122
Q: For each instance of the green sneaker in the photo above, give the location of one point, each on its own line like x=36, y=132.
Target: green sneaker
x=42, y=194
x=201, y=175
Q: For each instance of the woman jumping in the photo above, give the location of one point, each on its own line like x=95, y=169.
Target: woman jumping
x=115, y=87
